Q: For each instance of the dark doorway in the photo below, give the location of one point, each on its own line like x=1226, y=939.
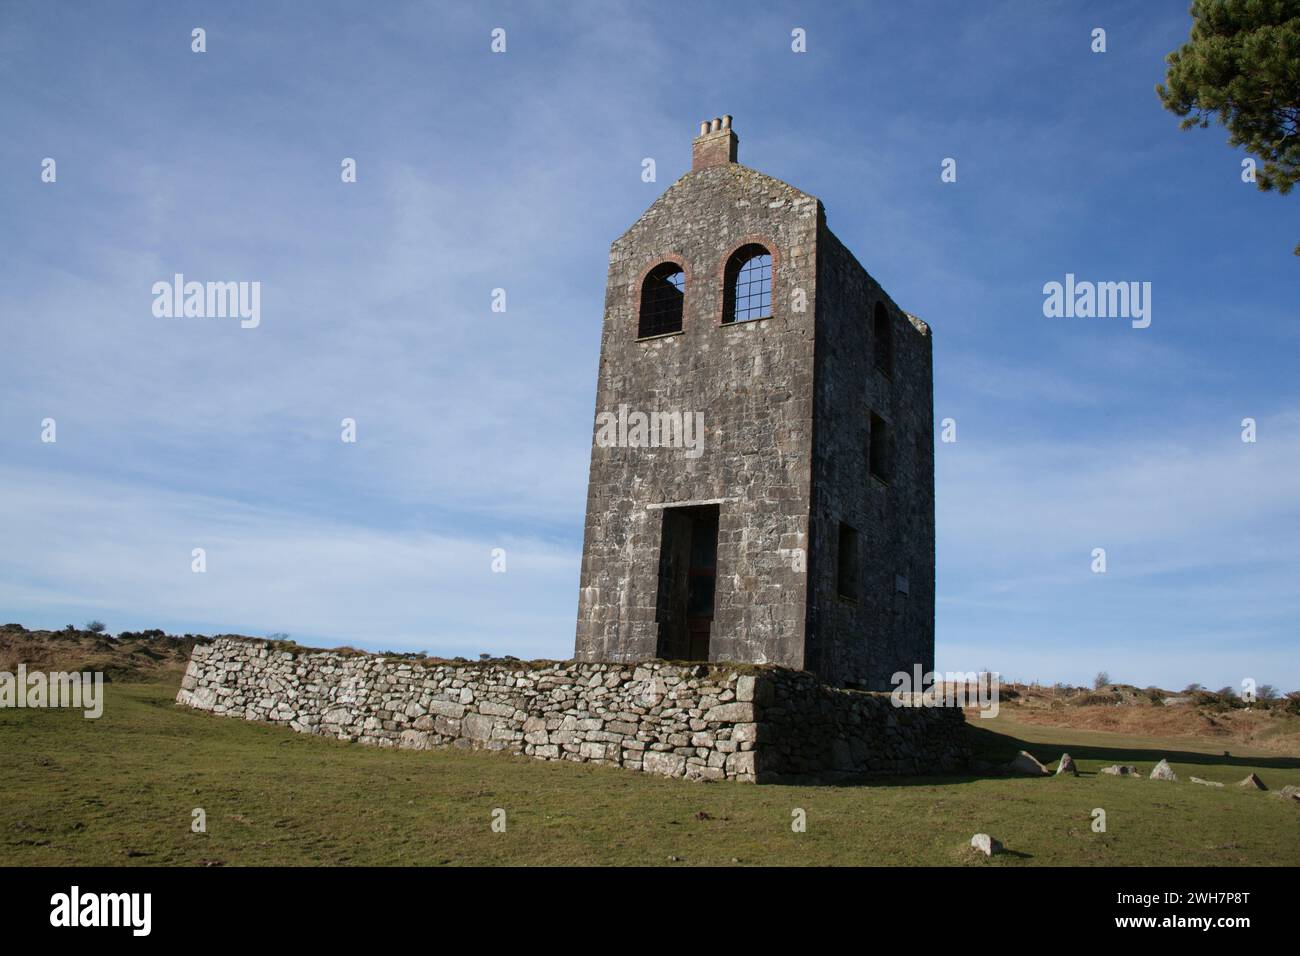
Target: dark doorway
x=688, y=573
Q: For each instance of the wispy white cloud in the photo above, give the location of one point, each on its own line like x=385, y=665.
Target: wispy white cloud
x=1201, y=533
x=122, y=553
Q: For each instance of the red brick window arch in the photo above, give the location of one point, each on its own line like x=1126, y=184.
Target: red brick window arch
x=663, y=300
x=747, y=284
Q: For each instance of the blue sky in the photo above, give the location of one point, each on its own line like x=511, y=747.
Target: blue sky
x=479, y=170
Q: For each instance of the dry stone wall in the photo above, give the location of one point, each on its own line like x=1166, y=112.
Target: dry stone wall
x=698, y=721
x=811, y=730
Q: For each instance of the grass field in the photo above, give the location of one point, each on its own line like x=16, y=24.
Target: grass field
x=121, y=791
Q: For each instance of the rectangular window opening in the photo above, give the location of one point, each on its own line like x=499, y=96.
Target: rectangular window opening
x=878, y=448
x=847, y=566
x=883, y=341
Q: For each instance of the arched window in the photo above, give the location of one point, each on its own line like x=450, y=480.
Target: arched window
x=662, y=295
x=883, y=341
x=747, y=289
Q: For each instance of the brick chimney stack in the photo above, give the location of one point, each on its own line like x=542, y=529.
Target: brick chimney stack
x=716, y=144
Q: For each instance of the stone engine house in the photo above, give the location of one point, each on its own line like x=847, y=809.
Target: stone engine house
x=762, y=474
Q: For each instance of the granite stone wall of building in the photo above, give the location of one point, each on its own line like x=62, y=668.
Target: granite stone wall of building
x=752, y=384
x=886, y=623
x=787, y=401
x=694, y=721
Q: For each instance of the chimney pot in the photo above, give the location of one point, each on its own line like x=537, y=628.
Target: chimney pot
x=716, y=144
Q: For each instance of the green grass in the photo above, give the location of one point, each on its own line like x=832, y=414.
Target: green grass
x=120, y=790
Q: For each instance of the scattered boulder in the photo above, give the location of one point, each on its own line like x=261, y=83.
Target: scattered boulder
x=985, y=844
x=1163, y=771
x=1288, y=793
x=1204, y=783
x=1066, y=766
x=1252, y=783
x=1121, y=770
x=1025, y=763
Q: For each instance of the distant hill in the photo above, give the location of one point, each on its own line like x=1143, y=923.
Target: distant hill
x=130, y=657
x=1272, y=726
